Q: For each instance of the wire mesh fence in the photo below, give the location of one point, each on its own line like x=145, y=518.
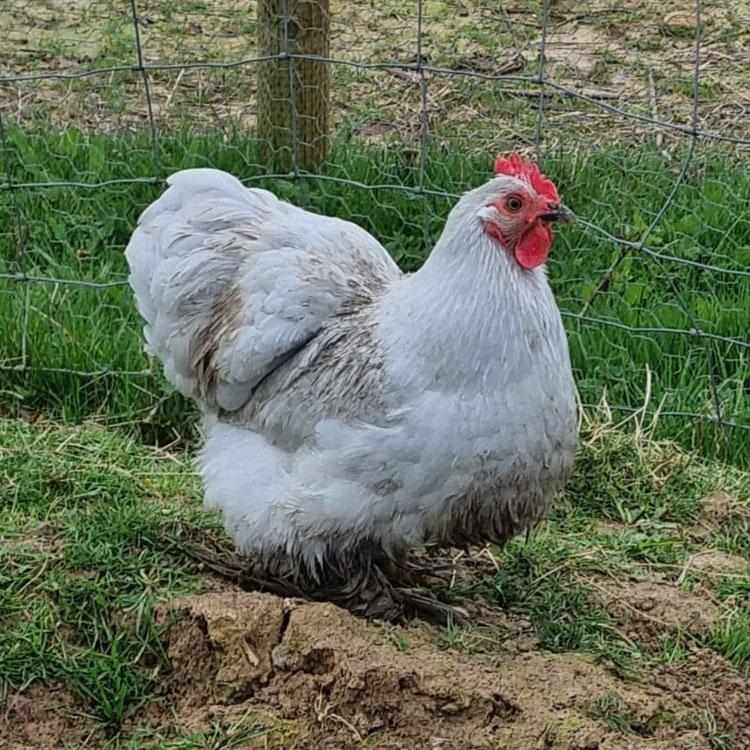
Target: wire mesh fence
x=636, y=109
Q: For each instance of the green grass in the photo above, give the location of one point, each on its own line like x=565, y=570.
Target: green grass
x=588, y=540
x=614, y=714
x=732, y=637
x=79, y=233
x=244, y=732
x=85, y=561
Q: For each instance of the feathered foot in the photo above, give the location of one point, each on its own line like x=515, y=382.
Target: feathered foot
x=386, y=592
x=367, y=589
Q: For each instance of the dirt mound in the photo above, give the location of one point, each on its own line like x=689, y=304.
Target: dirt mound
x=312, y=676
x=338, y=682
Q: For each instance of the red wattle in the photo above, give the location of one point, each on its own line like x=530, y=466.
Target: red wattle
x=533, y=247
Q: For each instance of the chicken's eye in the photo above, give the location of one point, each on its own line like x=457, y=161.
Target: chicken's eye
x=514, y=203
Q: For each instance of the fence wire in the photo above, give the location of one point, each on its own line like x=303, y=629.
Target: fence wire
x=637, y=109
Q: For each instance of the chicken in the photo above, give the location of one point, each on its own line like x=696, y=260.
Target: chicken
x=352, y=413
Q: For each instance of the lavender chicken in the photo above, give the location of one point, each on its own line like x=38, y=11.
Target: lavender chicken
x=353, y=413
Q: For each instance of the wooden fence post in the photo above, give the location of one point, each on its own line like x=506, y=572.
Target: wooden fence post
x=293, y=93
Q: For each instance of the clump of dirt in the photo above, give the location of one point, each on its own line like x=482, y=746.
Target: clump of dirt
x=715, y=563
x=646, y=609
x=342, y=682
x=220, y=646
x=720, y=511
x=45, y=718
x=721, y=506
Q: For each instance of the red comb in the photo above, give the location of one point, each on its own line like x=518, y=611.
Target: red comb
x=515, y=166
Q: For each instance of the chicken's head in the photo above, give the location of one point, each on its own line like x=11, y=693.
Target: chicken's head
x=522, y=205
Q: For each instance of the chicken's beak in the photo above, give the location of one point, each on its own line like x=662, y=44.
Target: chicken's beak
x=558, y=213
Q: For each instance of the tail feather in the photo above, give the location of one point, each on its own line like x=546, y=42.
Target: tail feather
x=230, y=280
x=173, y=226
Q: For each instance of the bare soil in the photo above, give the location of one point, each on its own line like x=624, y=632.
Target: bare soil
x=647, y=609
x=44, y=717
x=312, y=676
x=637, y=55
